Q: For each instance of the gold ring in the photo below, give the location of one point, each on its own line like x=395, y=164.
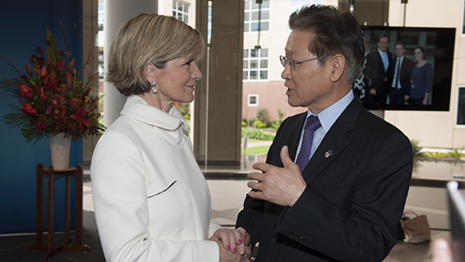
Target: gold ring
x=258, y=183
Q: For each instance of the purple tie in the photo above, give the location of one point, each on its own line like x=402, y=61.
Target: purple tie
x=313, y=123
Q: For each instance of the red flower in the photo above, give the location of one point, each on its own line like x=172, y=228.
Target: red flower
x=80, y=117
x=74, y=103
x=29, y=109
x=42, y=72
x=51, y=83
x=28, y=70
x=25, y=91
x=41, y=92
x=40, y=125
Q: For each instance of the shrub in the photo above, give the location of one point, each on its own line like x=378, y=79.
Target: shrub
x=280, y=115
x=244, y=123
x=256, y=134
x=268, y=124
x=187, y=117
x=435, y=154
x=261, y=115
x=416, y=150
x=251, y=121
x=456, y=152
x=259, y=124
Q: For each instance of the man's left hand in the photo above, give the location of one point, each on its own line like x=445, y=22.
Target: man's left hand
x=279, y=185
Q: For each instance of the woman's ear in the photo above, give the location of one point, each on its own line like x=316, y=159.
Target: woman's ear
x=338, y=64
x=150, y=72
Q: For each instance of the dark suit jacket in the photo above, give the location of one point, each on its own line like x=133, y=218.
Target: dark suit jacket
x=405, y=76
x=375, y=71
x=354, y=198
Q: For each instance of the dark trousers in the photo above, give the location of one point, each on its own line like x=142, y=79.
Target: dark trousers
x=396, y=96
x=380, y=98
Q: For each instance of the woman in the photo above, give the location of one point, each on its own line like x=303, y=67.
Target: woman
x=422, y=78
x=151, y=200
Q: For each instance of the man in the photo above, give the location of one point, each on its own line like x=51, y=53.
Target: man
x=402, y=76
x=346, y=203
x=378, y=68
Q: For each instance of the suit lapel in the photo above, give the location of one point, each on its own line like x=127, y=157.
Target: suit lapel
x=333, y=143
x=295, y=132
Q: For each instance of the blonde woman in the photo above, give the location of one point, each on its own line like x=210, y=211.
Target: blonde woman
x=151, y=200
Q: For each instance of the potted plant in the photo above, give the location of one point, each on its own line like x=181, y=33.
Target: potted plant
x=52, y=99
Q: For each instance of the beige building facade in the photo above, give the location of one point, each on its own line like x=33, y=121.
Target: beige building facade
x=433, y=129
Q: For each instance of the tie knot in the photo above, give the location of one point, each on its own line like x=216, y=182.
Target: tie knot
x=313, y=123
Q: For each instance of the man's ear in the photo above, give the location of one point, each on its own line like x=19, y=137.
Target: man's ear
x=338, y=65
x=149, y=73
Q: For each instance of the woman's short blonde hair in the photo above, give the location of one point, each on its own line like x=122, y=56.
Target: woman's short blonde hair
x=149, y=38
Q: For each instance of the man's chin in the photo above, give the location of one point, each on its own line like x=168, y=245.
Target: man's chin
x=292, y=103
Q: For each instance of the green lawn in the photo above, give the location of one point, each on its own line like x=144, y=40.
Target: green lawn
x=259, y=150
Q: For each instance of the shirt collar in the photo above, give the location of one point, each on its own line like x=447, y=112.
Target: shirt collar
x=136, y=107
x=330, y=114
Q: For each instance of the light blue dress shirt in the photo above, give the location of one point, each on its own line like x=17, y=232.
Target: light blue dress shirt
x=327, y=118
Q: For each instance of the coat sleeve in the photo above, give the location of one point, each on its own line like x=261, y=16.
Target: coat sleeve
x=251, y=216
x=365, y=230
x=121, y=209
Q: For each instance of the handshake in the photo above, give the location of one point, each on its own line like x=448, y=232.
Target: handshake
x=234, y=244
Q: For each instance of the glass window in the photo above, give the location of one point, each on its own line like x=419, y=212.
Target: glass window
x=255, y=16
x=181, y=11
x=463, y=21
x=100, y=15
x=255, y=64
x=461, y=107
x=252, y=100
x=297, y=4
x=101, y=72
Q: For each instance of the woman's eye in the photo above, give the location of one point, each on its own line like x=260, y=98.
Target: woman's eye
x=188, y=63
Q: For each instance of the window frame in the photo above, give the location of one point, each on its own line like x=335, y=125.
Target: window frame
x=457, y=108
x=256, y=98
x=249, y=22
x=259, y=59
x=176, y=12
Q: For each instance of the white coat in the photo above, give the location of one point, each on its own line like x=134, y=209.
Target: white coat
x=151, y=200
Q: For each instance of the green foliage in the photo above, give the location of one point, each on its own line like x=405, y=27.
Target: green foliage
x=244, y=123
x=100, y=103
x=280, y=115
x=251, y=121
x=184, y=109
x=261, y=115
x=257, y=134
x=187, y=117
x=435, y=154
x=456, y=152
x=268, y=124
x=416, y=150
x=276, y=127
x=258, y=124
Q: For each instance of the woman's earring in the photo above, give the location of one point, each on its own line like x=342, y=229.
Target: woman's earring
x=154, y=87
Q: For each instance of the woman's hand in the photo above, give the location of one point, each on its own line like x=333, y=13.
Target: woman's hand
x=235, y=240
x=227, y=256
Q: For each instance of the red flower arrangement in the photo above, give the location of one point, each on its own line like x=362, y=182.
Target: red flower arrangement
x=52, y=97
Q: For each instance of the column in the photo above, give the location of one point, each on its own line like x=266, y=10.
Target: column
x=116, y=13
x=218, y=96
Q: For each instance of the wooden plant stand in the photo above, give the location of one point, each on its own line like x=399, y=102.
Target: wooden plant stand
x=67, y=244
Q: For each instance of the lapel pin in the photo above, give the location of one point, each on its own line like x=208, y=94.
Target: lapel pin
x=328, y=153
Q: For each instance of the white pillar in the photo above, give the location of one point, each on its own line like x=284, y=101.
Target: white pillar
x=116, y=13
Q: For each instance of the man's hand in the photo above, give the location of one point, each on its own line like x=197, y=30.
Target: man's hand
x=373, y=91
x=279, y=185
